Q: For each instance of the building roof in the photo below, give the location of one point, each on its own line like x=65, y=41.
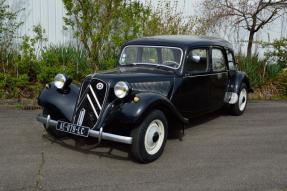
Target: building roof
x=180, y=41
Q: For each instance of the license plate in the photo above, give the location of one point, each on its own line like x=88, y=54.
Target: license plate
x=73, y=129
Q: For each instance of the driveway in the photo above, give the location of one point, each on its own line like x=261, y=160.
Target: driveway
x=218, y=152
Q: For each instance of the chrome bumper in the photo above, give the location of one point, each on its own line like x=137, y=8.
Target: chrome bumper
x=92, y=133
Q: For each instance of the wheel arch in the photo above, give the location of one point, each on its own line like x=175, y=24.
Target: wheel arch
x=174, y=119
x=237, y=80
x=135, y=113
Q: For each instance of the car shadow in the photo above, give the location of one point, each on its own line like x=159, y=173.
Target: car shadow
x=106, y=149
x=178, y=132
x=205, y=118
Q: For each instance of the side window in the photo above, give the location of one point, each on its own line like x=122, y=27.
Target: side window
x=218, y=60
x=231, y=63
x=197, y=61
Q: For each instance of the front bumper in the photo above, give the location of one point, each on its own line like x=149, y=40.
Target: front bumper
x=92, y=133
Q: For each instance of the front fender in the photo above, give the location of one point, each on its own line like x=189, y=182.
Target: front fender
x=134, y=112
x=59, y=104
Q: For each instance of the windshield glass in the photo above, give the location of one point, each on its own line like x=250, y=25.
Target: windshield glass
x=151, y=55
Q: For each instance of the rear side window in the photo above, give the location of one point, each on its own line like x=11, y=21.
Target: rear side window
x=197, y=61
x=218, y=60
x=231, y=62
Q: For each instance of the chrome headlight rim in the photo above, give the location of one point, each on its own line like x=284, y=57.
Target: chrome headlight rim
x=121, y=89
x=60, y=81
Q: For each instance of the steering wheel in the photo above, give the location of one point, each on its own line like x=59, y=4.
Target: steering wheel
x=170, y=63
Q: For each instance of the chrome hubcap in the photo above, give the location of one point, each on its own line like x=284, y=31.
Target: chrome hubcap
x=154, y=137
x=242, y=99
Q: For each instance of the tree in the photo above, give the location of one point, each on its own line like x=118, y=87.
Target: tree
x=8, y=28
x=251, y=15
x=103, y=25
x=169, y=19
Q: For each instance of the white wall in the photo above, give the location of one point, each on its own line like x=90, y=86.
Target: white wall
x=48, y=13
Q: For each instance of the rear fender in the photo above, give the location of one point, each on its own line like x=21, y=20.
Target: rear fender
x=237, y=80
x=58, y=103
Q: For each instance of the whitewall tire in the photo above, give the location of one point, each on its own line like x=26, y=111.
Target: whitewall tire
x=239, y=107
x=149, y=137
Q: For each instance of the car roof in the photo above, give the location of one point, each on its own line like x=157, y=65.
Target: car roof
x=182, y=41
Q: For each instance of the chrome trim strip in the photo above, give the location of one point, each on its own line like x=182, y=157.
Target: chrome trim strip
x=92, y=133
x=98, y=103
x=92, y=106
x=81, y=117
x=191, y=76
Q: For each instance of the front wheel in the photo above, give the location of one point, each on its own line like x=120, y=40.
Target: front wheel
x=149, y=137
x=239, y=107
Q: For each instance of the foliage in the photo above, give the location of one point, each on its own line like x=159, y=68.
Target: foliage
x=258, y=70
x=278, y=52
x=103, y=26
x=253, y=67
x=8, y=27
x=168, y=19
x=36, y=64
x=63, y=59
x=281, y=82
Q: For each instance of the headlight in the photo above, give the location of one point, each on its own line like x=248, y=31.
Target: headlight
x=121, y=89
x=60, y=80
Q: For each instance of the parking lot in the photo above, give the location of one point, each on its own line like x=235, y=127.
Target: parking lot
x=218, y=152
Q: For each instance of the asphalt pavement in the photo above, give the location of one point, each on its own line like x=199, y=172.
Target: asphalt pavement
x=218, y=152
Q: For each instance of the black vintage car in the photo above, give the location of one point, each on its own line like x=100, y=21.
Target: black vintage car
x=160, y=83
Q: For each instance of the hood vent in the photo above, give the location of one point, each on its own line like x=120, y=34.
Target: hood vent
x=160, y=87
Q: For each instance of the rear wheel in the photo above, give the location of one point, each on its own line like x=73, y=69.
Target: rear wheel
x=239, y=107
x=149, y=137
x=52, y=130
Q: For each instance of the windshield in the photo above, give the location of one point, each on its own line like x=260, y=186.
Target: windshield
x=151, y=55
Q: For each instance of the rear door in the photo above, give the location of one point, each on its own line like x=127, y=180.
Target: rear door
x=219, y=77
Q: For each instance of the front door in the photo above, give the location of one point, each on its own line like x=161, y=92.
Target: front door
x=192, y=97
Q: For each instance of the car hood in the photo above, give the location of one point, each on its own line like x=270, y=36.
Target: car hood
x=143, y=79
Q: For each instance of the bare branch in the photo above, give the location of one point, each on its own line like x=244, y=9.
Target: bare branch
x=264, y=22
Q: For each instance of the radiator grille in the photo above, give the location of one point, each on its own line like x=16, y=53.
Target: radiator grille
x=90, y=104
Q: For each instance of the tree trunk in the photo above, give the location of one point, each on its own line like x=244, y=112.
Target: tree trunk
x=250, y=43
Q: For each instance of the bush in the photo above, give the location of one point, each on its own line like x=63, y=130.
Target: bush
x=11, y=87
x=258, y=70
x=278, y=52
x=63, y=59
x=281, y=82
x=253, y=67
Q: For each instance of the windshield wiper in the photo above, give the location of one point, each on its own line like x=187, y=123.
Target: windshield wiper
x=159, y=66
